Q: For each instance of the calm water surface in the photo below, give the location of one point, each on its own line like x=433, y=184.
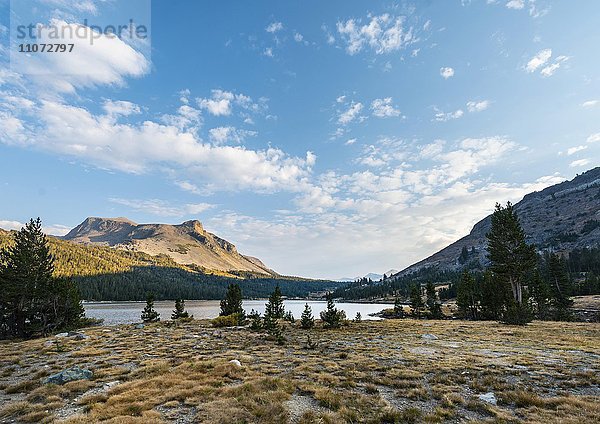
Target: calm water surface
x=129, y=312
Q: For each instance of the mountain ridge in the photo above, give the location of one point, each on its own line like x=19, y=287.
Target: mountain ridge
x=560, y=218
x=187, y=243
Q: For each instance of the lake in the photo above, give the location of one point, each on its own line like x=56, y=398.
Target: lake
x=129, y=312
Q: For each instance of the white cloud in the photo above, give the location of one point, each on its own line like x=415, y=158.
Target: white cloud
x=540, y=59
x=444, y=117
x=516, y=4
x=478, y=106
x=590, y=103
x=223, y=135
x=383, y=34
x=274, y=27
x=149, y=146
x=446, y=72
x=54, y=230
x=298, y=37
x=120, y=107
x=350, y=141
x=383, y=108
x=219, y=104
x=161, y=207
x=268, y=52
x=352, y=113
x=108, y=61
x=573, y=150
x=594, y=138
x=579, y=163
x=551, y=69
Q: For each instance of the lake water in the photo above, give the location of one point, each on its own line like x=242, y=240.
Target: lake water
x=129, y=312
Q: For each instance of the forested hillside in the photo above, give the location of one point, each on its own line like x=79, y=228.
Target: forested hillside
x=109, y=274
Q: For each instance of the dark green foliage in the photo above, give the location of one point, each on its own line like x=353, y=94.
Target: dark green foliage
x=517, y=314
x=416, y=300
x=332, y=317
x=180, y=311
x=256, y=323
x=149, y=314
x=511, y=257
x=434, y=306
x=307, y=320
x=232, y=304
x=560, y=287
x=358, y=317
x=398, y=308
x=33, y=300
x=289, y=317
x=275, y=306
x=468, y=297
x=540, y=295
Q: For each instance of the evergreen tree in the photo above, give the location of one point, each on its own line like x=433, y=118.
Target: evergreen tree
x=275, y=306
x=493, y=297
x=289, y=317
x=464, y=255
x=416, y=301
x=307, y=320
x=540, y=292
x=34, y=301
x=358, y=317
x=398, y=308
x=560, y=288
x=232, y=304
x=332, y=317
x=180, y=311
x=255, y=321
x=149, y=314
x=511, y=259
x=435, y=308
x=467, y=298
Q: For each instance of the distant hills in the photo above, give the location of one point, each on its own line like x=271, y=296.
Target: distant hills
x=559, y=218
x=370, y=276
x=186, y=244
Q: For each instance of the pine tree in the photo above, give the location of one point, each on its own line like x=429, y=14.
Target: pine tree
x=467, y=298
x=307, y=320
x=464, y=255
x=275, y=305
x=34, y=301
x=232, y=304
x=332, y=317
x=416, y=301
x=398, y=308
x=540, y=292
x=358, y=317
x=149, y=314
x=180, y=311
x=511, y=259
x=435, y=309
x=255, y=321
x=560, y=288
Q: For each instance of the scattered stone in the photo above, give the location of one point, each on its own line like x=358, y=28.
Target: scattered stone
x=110, y=385
x=139, y=326
x=236, y=363
x=429, y=337
x=488, y=397
x=61, y=335
x=70, y=374
x=49, y=343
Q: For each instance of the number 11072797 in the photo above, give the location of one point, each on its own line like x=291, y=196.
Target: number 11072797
x=46, y=48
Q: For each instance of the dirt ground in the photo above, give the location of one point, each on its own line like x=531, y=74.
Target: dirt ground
x=380, y=372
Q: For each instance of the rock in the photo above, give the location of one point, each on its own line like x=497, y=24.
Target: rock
x=70, y=374
x=236, y=363
x=111, y=384
x=49, y=343
x=60, y=335
x=488, y=397
x=139, y=326
x=429, y=337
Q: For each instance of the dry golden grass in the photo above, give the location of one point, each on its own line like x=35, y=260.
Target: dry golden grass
x=374, y=372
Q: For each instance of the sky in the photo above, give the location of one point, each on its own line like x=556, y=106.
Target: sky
x=329, y=139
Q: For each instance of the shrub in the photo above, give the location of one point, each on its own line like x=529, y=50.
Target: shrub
x=227, y=320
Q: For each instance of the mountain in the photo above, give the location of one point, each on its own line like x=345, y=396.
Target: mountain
x=186, y=244
x=370, y=276
x=559, y=218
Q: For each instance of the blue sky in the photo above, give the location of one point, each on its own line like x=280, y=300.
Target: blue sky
x=330, y=139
